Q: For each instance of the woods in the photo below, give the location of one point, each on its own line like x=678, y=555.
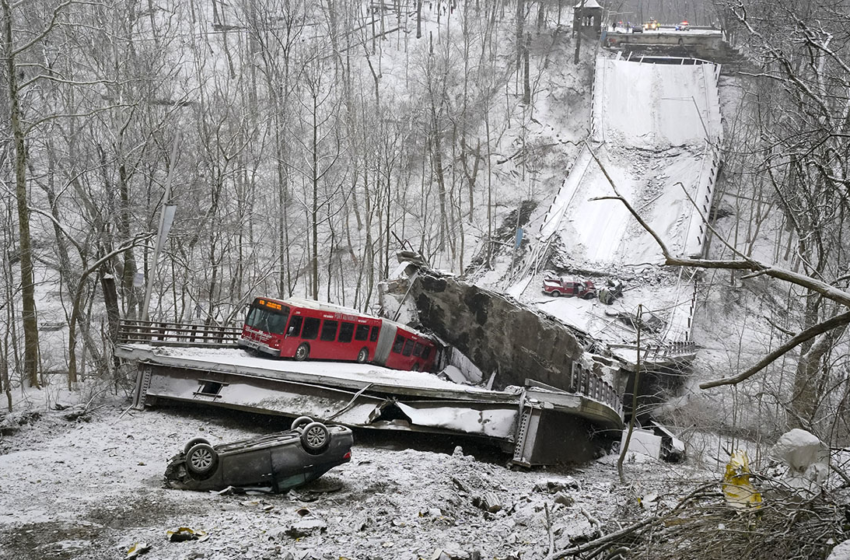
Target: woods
x=307, y=154
x=316, y=140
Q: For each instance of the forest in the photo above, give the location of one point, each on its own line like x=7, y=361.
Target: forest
x=301, y=145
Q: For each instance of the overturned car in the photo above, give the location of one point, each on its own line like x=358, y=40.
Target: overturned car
x=275, y=462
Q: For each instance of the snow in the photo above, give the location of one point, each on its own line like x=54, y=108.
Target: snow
x=840, y=552
x=655, y=127
x=799, y=449
x=234, y=360
x=93, y=489
x=655, y=106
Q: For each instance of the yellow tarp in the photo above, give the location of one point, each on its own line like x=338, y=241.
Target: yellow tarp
x=737, y=489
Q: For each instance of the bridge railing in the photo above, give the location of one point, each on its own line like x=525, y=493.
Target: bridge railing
x=591, y=385
x=164, y=333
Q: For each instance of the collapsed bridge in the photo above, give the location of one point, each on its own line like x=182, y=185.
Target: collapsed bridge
x=535, y=422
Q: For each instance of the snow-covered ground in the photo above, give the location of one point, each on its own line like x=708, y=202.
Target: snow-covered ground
x=91, y=489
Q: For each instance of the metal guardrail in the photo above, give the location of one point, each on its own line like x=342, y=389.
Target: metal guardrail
x=164, y=333
x=591, y=385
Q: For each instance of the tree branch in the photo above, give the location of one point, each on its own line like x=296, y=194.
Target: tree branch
x=808, y=334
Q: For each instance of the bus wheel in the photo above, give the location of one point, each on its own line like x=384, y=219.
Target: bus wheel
x=302, y=353
x=415, y=367
x=363, y=356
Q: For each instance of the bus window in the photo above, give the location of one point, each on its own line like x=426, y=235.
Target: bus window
x=374, y=334
x=426, y=352
x=362, y=332
x=295, y=326
x=311, y=329
x=408, y=348
x=329, y=330
x=346, y=332
x=252, y=316
x=267, y=320
x=398, y=344
x=417, y=350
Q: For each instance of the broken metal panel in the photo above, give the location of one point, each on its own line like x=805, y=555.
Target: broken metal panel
x=280, y=397
x=491, y=422
x=260, y=395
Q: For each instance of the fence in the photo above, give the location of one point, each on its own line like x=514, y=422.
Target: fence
x=163, y=333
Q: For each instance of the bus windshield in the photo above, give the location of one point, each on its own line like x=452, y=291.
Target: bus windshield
x=267, y=320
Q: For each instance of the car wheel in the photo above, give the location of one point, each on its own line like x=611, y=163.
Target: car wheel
x=201, y=459
x=556, y=293
x=363, y=356
x=193, y=442
x=300, y=422
x=315, y=438
x=302, y=353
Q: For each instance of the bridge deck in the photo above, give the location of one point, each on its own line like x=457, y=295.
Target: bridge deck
x=367, y=396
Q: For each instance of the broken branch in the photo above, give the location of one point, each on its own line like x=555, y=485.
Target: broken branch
x=820, y=328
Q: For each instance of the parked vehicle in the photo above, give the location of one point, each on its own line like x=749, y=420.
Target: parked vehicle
x=303, y=329
x=277, y=462
x=637, y=29
x=652, y=25
x=684, y=26
x=564, y=286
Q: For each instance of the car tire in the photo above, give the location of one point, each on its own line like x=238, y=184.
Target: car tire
x=303, y=352
x=363, y=356
x=201, y=459
x=193, y=442
x=300, y=422
x=315, y=438
x=556, y=293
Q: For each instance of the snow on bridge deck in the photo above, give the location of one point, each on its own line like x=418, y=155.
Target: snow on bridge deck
x=655, y=130
x=654, y=126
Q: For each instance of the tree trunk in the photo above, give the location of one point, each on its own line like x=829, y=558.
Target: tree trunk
x=314, y=214
x=27, y=277
x=526, y=95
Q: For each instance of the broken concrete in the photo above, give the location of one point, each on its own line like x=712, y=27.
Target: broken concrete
x=496, y=333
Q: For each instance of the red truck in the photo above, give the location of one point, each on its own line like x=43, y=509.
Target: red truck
x=564, y=286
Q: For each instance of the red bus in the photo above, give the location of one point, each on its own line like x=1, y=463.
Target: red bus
x=303, y=329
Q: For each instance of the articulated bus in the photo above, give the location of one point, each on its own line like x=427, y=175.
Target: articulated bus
x=304, y=329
